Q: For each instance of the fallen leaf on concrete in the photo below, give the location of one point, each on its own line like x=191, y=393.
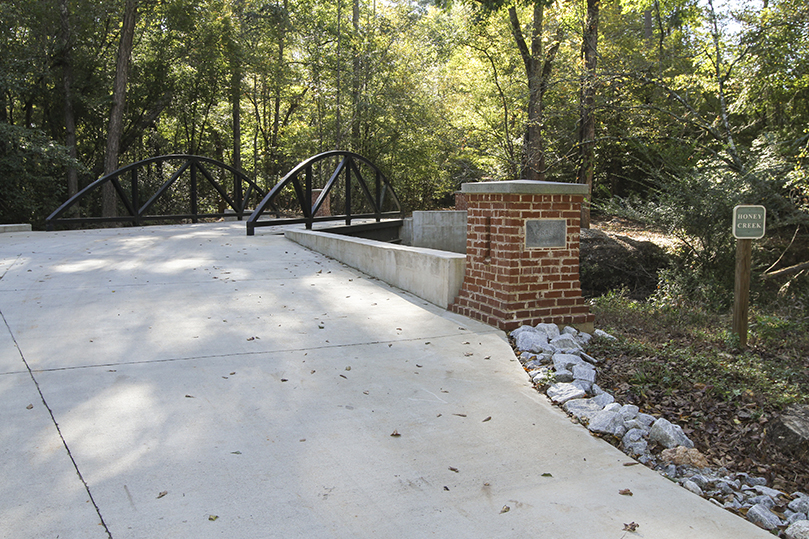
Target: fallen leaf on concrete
x=631, y=463
x=460, y=415
x=487, y=419
x=344, y=376
x=348, y=368
x=547, y=474
x=446, y=488
x=505, y=509
x=212, y=517
x=395, y=433
x=285, y=380
x=235, y=452
x=190, y=397
x=163, y=493
x=453, y=469
x=29, y=407
x=469, y=354
x=232, y=373
x=419, y=366
x=625, y=492
x=632, y=526
x=251, y=338
x=487, y=357
x=466, y=342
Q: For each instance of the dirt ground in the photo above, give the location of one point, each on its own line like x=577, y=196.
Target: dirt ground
x=617, y=253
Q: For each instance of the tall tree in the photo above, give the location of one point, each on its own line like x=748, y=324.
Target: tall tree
x=67, y=85
x=538, y=62
x=116, y=125
x=587, y=123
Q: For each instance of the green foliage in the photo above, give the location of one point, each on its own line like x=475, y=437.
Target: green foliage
x=31, y=171
x=438, y=96
x=696, y=206
x=678, y=347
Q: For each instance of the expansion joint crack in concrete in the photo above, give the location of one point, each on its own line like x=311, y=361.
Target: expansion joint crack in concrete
x=242, y=354
x=55, y=424
x=11, y=266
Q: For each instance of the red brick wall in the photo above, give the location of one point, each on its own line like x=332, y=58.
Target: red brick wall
x=506, y=284
x=460, y=201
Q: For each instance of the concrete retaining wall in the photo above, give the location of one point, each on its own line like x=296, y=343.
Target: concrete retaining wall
x=444, y=230
x=435, y=276
x=15, y=228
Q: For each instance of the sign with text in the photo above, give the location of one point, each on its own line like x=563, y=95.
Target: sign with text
x=544, y=233
x=749, y=222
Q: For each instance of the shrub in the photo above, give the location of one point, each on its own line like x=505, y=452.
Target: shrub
x=696, y=206
x=32, y=175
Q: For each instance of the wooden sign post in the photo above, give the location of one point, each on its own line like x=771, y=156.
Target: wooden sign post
x=749, y=223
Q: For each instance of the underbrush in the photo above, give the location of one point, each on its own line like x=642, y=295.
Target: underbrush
x=681, y=361
x=688, y=347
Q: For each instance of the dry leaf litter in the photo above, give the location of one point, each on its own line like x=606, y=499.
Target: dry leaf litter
x=557, y=363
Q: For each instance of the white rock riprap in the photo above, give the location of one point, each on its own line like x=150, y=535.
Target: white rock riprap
x=668, y=435
x=556, y=362
x=798, y=530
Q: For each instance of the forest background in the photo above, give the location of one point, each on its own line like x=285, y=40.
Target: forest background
x=673, y=110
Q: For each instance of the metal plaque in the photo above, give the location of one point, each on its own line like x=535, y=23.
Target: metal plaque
x=749, y=222
x=544, y=233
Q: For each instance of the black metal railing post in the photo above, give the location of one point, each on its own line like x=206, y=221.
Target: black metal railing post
x=237, y=191
x=193, y=171
x=378, y=197
x=135, y=195
x=348, y=191
x=309, y=205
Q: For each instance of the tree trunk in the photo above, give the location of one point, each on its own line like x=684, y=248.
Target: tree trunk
x=67, y=83
x=538, y=65
x=116, y=125
x=587, y=122
x=356, y=96
x=236, y=106
x=277, y=87
x=647, y=25
x=338, y=131
x=730, y=143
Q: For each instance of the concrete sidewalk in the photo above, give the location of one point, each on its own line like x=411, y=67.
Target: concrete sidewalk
x=193, y=382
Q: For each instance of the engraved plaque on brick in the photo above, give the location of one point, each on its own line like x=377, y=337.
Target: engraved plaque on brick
x=544, y=233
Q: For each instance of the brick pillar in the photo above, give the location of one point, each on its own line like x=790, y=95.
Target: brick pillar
x=522, y=255
x=460, y=201
x=325, y=208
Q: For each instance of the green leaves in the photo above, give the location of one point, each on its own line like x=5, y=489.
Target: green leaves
x=31, y=171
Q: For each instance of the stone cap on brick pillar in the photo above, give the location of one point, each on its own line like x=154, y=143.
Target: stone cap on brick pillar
x=526, y=187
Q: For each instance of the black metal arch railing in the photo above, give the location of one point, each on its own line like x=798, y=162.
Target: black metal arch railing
x=164, y=188
x=377, y=199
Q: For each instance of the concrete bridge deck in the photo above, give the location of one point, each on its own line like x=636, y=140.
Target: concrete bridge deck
x=193, y=382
